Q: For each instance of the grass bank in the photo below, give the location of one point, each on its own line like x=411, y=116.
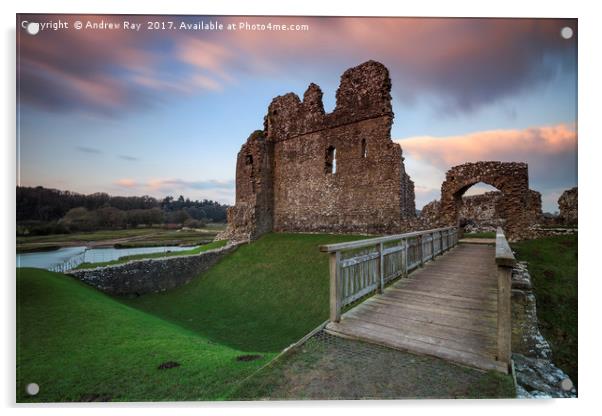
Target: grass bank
x=553, y=268
x=80, y=344
x=125, y=259
x=264, y=296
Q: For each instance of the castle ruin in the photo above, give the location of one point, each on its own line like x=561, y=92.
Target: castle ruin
x=515, y=207
x=312, y=171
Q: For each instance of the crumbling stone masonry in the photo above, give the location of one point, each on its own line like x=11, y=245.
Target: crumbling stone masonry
x=567, y=204
x=312, y=171
x=480, y=213
x=520, y=207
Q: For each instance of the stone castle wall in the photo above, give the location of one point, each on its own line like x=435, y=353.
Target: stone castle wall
x=567, y=204
x=312, y=171
x=520, y=207
x=515, y=207
x=480, y=212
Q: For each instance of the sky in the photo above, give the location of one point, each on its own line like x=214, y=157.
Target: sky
x=165, y=111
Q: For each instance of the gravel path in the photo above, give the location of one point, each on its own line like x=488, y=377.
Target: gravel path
x=329, y=367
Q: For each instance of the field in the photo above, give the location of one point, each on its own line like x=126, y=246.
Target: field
x=553, y=268
x=79, y=344
x=137, y=237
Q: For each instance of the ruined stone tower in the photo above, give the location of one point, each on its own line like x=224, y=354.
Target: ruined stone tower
x=311, y=171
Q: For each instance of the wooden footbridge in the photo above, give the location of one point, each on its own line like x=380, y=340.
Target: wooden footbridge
x=432, y=296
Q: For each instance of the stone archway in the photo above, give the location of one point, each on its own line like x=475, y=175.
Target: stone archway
x=511, y=178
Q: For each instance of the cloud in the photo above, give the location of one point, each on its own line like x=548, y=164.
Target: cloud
x=177, y=184
x=128, y=158
x=425, y=194
x=89, y=150
x=127, y=183
x=459, y=64
x=186, y=184
x=207, y=56
x=550, y=151
x=217, y=190
x=103, y=73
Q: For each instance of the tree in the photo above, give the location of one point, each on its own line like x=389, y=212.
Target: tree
x=80, y=219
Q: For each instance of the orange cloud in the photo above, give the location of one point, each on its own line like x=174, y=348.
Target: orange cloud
x=505, y=145
x=127, y=183
x=550, y=151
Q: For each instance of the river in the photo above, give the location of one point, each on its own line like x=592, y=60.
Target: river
x=76, y=255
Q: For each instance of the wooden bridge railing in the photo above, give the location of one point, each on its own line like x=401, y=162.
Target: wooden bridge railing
x=358, y=268
x=505, y=260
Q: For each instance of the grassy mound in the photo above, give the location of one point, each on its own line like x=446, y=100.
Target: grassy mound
x=125, y=259
x=263, y=297
x=80, y=344
x=553, y=268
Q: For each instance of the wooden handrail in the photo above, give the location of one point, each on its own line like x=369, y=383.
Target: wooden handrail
x=329, y=248
x=505, y=261
x=362, y=272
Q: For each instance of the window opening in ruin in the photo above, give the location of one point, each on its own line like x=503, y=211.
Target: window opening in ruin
x=364, y=149
x=249, y=160
x=331, y=160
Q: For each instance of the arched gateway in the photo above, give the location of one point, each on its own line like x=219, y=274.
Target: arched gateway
x=519, y=206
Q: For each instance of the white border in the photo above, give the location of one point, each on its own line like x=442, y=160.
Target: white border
x=590, y=137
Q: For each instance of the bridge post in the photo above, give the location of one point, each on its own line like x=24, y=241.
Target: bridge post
x=335, y=287
x=432, y=246
x=405, y=257
x=419, y=241
x=504, y=325
x=381, y=268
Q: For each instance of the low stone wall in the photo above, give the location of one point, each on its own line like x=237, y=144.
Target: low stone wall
x=536, y=374
x=138, y=277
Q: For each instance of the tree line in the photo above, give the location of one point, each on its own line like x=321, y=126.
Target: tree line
x=47, y=211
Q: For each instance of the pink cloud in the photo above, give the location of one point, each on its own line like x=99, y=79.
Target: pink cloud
x=207, y=56
x=127, y=183
x=465, y=63
x=550, y=151
x=532, y=144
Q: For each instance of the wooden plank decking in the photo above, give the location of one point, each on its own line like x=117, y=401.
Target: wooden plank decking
x=446, y=309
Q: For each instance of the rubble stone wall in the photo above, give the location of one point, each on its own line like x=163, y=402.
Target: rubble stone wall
x=567, y=204
x=312, y=171
x=138, y=277
x=519, y=207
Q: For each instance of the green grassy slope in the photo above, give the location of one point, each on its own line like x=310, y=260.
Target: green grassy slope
x=79, y=344
x=263, y=297
x=553, y=268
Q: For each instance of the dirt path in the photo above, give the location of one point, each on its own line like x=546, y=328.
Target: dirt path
x=329, y=367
